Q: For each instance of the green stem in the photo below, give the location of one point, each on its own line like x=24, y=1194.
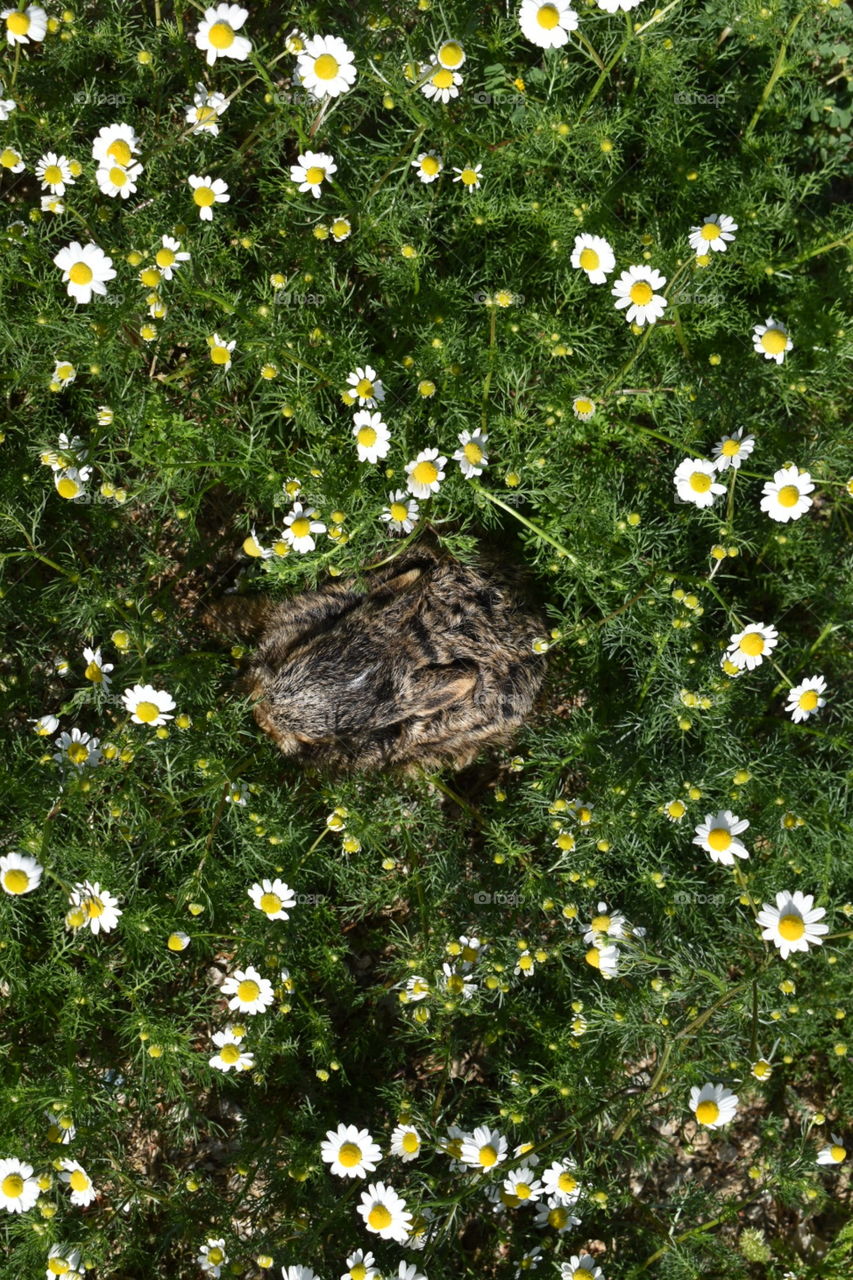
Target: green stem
x=779, y=69
x=540, y=533
x=493, y=320
x=812, y=253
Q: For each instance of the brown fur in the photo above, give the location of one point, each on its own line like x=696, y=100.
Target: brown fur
x=430, y=663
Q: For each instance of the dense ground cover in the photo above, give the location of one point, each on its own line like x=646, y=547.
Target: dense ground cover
x=556, y=969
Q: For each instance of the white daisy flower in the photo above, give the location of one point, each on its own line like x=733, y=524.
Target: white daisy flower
x=76, y=1177
x=371, y=436
x=525, y=966
x=85, y=270
x=19, y=874
x=93, y=906
x=217, y=35
x=78, y=749
x=556, y=1214
x=298, y=1272
x=712, y=1105
x=749, y=648
x=834, y=1154
x=314, y=167
x=451, y=55
x=405, y=1143
x=384, y=1212
x=96, y=669
x=603, y=956
x=806, y=699
x=54, y=173
x=771, y=340
x=785, y=497
x=483, y=1149
x=340, y=229
x=148, y=705
x=116, y=180
x=441, y=83
x=7, y=106
x=61, y=1127
x=299, y=527
x=19, y=1190
x=547, y=25
x=237, y=793
x=252, y=547
x=207, y=107
x=469, y=176
x=409, y=1271
x=581, y=1266
x=675, y=810
x=717, y=836
x=635, y=289
x=559, y=1180
x=361, y=1266
x=170, y=256
x=115, y=144
x=455, y=984
x=350, y=1152
x=70, y=482
x=429, y=165
x=64, y=373
x=732, y=450
x=696, y=481
x=274, y=898
x=425, y=473
x=792, y=924
x=207, y=192
x=583, y=407
x=212, y=1258
x=25, y=26
x=417, y=988
x=401, y=513
x=364, y=384
x=62, y=1260
x=230, y=1054
x=472, y=949
x=45, y=726
x=220, y=351
x=595, y=256
x=471, y=456
x=325, y=67
x=605, y=924
x=714, y=233
x=523, y=1184
x=250, y=993
x=52, y=204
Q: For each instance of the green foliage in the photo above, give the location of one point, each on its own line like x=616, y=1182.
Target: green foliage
x=738, y=109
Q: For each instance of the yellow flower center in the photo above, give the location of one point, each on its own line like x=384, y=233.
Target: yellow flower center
x=364, y=388
x=9, y=158
x=583, y=406
x=301, y=527
x=78, y=1181
x=707, y=1112
x=229, y=1053
x=248, y=991
x=731, y=448
x=379, y=1217
x=700, y=482
x=252, y=547
x=270, y=903
x=165, y=258
x=147, y=712
x=94, y=673
x=94, y=908
x=429, y=165
x=584, y=815
x=425, y=473
x=76, y=918
x=473, y=452
x=589, y=260
x=221, y=35
x=80, y=273
x=548, y=16
x=315, y=174
x=340, y=227
x=752, y=644
x=450, y=54
x=558, y=1218
x=67, y=488
x=13, y=1185
x=566, y=1182
x=593, y=958
x=64, y=371
x=774, y=341
x=788, y=495
x=220, y=355
x=366, y=436
x=120, y=151
x=838, y=1153
x=525, y=962
x=676, y=809
x=77, y=753
x=455, y=984
x=411, y=1142
x=57, y=1266
x=808, y=700
x=443, y=79
x=16, y=881
x=719, y=838
x=487, y=1156
x=204, y=197
x=710, y=231
x=118, y=176
x=203, y=114
x=791, y=927
x=358, y=1272
x=215, y=1255
x=469, y=177
x=53, y=174
x=399, y=512
x=641, y=293
x=18, y=23
x=349, y=1155
x=326, y=67
x=600, y=924
x=522, y=1191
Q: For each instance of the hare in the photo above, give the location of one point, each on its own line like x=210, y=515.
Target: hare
x=428, y=665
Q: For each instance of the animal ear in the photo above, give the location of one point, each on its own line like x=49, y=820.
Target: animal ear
x=438, y=687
